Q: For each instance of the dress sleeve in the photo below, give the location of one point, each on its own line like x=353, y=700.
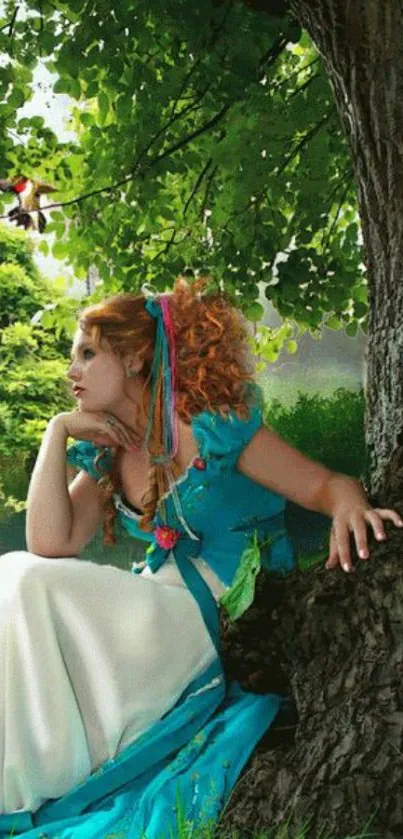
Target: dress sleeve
x=221, y=439
x=82, y=454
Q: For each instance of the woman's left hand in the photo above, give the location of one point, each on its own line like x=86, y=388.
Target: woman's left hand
x=354, y=519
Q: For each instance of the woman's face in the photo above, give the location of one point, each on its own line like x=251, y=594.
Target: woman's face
x=99, y=372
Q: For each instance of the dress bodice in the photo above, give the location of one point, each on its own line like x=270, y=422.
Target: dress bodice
x=219, y=507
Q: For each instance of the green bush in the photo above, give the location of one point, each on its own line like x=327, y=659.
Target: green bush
x=14, y=482
x=327, y=429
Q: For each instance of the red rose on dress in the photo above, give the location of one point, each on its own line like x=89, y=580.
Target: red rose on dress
x=166, y=537
x=199, y=463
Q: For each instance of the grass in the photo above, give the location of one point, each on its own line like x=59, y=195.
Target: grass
x=189, y=832
x=185, y=829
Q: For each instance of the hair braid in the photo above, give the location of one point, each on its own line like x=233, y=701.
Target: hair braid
x=109, y=484
x=157, y=483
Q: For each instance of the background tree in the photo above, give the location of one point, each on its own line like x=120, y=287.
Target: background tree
x=33, y=350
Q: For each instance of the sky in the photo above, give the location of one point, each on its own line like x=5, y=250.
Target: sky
x=54, y=108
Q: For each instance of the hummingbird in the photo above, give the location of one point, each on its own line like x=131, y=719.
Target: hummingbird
x=27, y=213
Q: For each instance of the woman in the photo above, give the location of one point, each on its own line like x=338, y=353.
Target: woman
x=112, y=696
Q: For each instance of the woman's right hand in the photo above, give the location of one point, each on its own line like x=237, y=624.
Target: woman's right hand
x=93, y=426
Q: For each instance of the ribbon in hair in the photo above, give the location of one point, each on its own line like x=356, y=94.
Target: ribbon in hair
x=164, y=357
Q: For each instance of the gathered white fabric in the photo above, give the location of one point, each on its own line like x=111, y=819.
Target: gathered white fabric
x=90, y=657
x=169, y=573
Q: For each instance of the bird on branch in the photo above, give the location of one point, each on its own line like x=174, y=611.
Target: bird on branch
x=27, y=213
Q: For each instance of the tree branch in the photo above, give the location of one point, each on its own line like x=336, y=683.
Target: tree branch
x=11, y=23
x=166, y=248
x=41, y=28
x=173, y=117
x=309, y=134
x=208, y=185
x=192, y=136
x=295, y=73
x=303, y=86
x=185, y=83
x=107, y=189
x=334, y=222
x=197, y=185
x=215, y=33
x=271, y=55
x=14, y=135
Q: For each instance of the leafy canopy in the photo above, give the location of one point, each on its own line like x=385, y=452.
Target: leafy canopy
x=207, y=141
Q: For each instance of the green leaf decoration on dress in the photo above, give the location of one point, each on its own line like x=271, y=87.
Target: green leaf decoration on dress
x=242, y=592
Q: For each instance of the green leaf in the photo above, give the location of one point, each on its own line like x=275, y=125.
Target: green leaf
x=240, y=596
x=360, y=310
x=334, y=323
x=17, y=98
x=351, y=329
x=75, y=88
x=92, y=89
x=44, y=248
x=254, y=312
x=103, y=104
x=360, y=293
x=60, y=250
x=68, y=59
x=57, y=216
x=62, y=85
x=37, y=122
x=75, y=163
x=47, y=319
x=47, y=42
x=86, y=118
x=124, y=107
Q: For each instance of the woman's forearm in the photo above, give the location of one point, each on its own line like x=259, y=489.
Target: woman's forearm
x=49, y=509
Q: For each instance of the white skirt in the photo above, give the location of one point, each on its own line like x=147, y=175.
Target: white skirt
x=90, y=657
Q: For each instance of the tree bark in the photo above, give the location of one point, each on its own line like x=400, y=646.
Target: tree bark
x=334, y=641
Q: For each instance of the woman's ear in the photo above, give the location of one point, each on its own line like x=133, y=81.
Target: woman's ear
x=133, y=365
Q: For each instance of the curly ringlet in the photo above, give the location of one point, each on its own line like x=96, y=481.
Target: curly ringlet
x=213, y=366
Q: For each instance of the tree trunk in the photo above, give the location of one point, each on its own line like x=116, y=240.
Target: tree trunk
x=337, y=639
x=361, y=44
x=334, y=641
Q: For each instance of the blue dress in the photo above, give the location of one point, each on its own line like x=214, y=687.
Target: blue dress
x=184, y=766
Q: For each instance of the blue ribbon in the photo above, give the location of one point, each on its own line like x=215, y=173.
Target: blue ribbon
x=156, y=556
x=161, y=357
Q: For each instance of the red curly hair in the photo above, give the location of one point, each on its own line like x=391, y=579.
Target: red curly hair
x=213, y=366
